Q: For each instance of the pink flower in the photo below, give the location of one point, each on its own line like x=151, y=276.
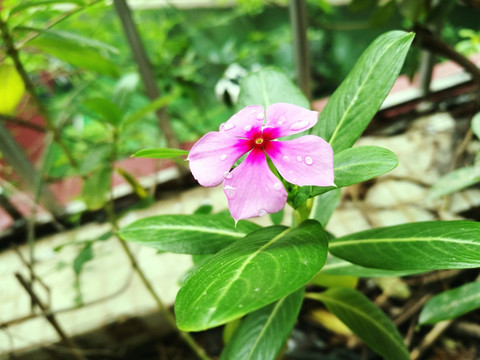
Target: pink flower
x=251, y=188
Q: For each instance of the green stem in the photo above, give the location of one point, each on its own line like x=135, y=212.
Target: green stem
x=302, y=213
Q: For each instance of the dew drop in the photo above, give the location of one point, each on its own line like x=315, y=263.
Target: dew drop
x=228, y=126
x=260, y=116
x=223, y=157
x=227, y=175
x=204, y=293
x=277, y=186
x=247, y=128
x=281, y=120
x=300, y=125
x=262, y=212
x=286, y=158
x=308, y=160
x=299, y=159
x=230, y=191
x=256, y=289
x=293, y=177
x=240, y=305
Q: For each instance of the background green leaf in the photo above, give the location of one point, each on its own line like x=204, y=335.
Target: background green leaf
x=355, y=102
x=187, y=234
x=366, y=320
x=247, y=275
x=262, y=333
x=269, y=86
x=106, y=109
x=430, y=245
x=96, y=188
x=456, y=180
x=451, y=303
x=75, y=54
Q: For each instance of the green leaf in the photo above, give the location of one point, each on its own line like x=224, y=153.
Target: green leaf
x=262, y=333
x=451, y=303
x=187, y=234
x=75, y=54
x=340, y=267
x=358, y=164
x=425, y=245
x=269, y=86
x=124, y=89
x=11, y=89
x=96, y=188
x=78, y=39
x=358, y=98
x=366, y=320
x=106, y=109
x=84, y=256
x=454, y=181
x=247, y=275
x=160, y=153
x=476, y=125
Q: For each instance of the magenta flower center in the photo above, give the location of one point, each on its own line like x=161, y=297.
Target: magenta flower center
x=259, y=141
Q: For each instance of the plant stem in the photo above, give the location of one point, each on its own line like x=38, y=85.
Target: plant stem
x=302, y=213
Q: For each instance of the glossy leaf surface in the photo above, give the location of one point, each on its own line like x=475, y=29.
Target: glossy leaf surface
x=425, y=245
x=187, y=234
x=366, y=320
x=355, y=102
x=249, y=274
x=262, y=333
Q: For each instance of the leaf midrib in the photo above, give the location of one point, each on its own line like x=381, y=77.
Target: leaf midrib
x=189, y=228
x=360, y=88
x=371, y=320
x=345, y=243
x=265, y=326
x=241, y=268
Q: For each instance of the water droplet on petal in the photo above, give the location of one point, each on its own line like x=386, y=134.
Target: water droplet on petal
x=308, y=160
x=300, y=125
x=228, y=126
x=260, y=116
x=247, y=128
x=227, y=175
x=262, y=212
x=230, y=191
x=277, y=186
x=281, y=120
x=299, y=159
x=223, y=157
x=286, y=158
x=293, y=176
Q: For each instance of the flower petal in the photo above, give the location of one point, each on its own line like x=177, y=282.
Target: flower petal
x=253, y=190
x=307, y=160
x=287, y=119
x=212, y=157
x=244, y=123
